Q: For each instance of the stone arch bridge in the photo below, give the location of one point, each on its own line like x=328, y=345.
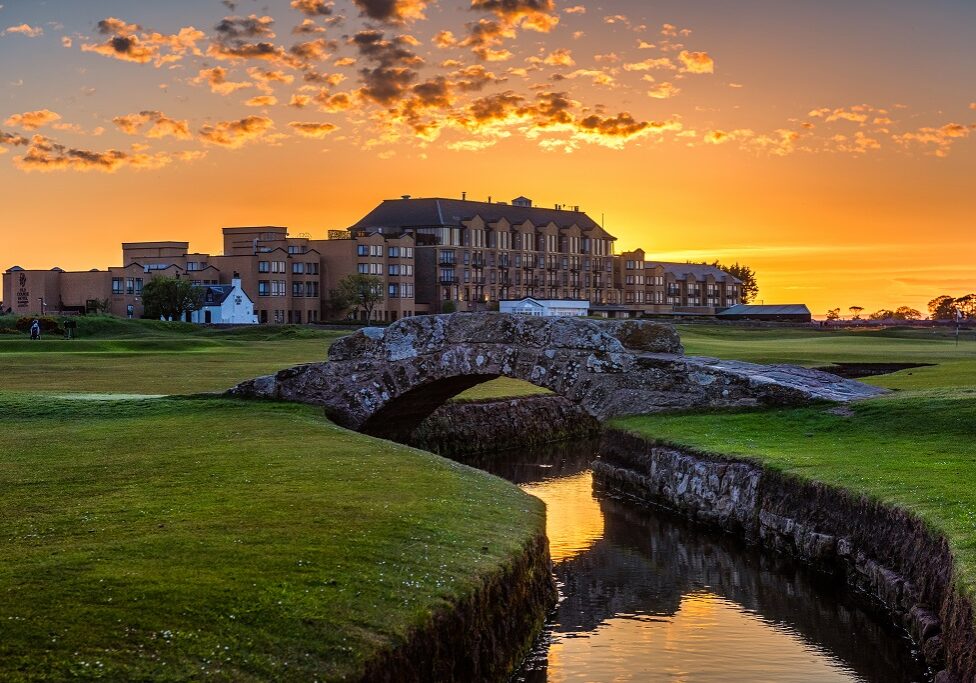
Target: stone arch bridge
x=386, y=381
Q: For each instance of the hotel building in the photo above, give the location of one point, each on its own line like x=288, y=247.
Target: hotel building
x=431, y=254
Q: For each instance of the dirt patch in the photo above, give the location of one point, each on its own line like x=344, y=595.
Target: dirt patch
x=857, y=370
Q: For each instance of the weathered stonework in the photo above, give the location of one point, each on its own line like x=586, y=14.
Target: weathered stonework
x=467, y=427
x=387, y=381
x=885, y=552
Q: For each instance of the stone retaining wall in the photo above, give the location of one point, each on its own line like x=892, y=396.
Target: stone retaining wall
x=467, y=427
x=886, y=552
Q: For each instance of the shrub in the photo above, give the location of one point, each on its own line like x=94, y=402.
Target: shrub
x=48, y=325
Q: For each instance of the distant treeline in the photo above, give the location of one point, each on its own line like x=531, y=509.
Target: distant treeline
x=943, y=307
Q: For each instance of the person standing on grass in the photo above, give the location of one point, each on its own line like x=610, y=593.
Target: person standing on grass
x=35, y=329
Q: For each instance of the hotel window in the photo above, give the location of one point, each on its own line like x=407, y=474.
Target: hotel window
x=393, y=290
x=375, y=268
x=138, y=285
x=406, y=291
x=264, y=288
x=130, y=286
x=312, y=289
x=298, y=268
x=277, y=266
x=312, y=268
x=393, y=252
x=296, y=249
x=376, y=250
x=393, y=269
x=264, y=267
x=406, y=270
x=407, y=252
x=116, y=285
x=297, y=289
x=362, y=250
x=362, y=268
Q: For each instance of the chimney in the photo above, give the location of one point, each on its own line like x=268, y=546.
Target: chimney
x=236, y=280
x=489, y=199
x=464, y=196
x=404, y=196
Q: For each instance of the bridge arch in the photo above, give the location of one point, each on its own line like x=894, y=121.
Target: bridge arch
x=387, y=380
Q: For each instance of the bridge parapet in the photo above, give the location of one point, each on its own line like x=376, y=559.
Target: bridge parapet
x=386, y=381
x=429, y=334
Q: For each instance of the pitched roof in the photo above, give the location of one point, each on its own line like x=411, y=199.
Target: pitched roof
x=436, y=212
x=214, y=295
x=759, y=309
x=698, y=271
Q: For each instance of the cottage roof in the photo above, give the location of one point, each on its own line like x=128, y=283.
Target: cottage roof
x=215, y=295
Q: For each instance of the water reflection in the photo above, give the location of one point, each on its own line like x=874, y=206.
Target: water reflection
x=646, y=597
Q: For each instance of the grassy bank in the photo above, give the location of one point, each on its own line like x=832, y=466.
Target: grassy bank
x=914, y=448
x=112, y=355
x=813, y=347
x=170, y=539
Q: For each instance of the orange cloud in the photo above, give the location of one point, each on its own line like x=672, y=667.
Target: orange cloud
x=32, y=120
x=216, y=78
x=261, y=101
x=696, y=62
x=25, y=30
x=663, y=91
x=313, y=8
x=313, y=130
x=126, y=43
x=650, y=64
x=235, y=134
x=162, y=125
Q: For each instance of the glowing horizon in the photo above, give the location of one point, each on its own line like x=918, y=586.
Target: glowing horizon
x=804, y=141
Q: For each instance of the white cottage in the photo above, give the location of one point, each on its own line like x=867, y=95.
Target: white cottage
x=225, y=305
x=545, y=307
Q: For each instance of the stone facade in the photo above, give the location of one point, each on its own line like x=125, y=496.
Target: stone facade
x=387, y=381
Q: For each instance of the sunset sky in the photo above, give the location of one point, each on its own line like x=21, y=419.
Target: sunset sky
x=829, y=144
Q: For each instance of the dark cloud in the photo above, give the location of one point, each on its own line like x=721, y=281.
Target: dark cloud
x=44, y=154
x=395, y=65
x=12, y=139
x=239, y=28
x=392, y=11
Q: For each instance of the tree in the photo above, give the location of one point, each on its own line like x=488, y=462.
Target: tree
x=882, y=314
x=856, y=312
x=170, y=298
x=750, y=285
x=906, y=313
x=967, y=304
x=99, y=306
x=942, y=308
x=448, y=306
x=833, y=314
x=360, y=291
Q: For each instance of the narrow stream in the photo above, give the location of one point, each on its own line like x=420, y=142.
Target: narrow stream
x=645, y=596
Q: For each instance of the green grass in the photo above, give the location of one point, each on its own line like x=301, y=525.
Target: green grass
x=955, y=365
x=171, y=539
x=915, y=448
x=153, y=357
